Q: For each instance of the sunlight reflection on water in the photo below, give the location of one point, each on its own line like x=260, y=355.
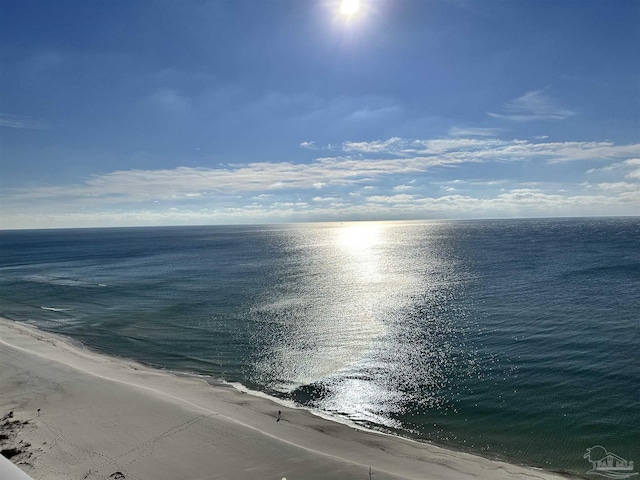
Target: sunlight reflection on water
x=357, y=326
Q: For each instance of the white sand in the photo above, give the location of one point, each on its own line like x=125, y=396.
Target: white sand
x=8, y=471
x=101, y=415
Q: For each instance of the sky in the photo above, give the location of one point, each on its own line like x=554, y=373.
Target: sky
x=122, y=113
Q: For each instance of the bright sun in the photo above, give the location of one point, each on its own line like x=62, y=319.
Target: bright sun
x=349, y=8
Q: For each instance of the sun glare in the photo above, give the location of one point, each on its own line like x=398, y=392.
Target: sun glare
x=349, y=8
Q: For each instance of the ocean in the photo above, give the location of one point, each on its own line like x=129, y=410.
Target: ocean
x=514, y=339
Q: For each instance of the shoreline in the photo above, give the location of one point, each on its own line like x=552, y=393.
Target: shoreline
x=101, y=416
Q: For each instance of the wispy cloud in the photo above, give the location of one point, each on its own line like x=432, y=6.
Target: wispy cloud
x=516, y=202
x=393, y=199
x=324, y=199
x=393, y=178
x=394, y=157
x=403, y=188
x=627, y=170
x=447, y=151
x=632, y=163
x=406, y=148
x=618, y=186
x=534, y=105
x=394, y=145
x=633, y=175
x=15, y=121
x=475, y=132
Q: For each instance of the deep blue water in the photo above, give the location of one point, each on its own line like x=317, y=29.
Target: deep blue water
x=513, y=338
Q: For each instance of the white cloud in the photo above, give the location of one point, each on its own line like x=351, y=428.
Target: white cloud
x=324, y=199
x=534, y=105
x=308, y=145
x=404, y=148
x=633, y=175
x=394, y=144
x=571, y=151
x=625, y=171
x=512, y=203
x=618, y=187
x=287, y=191
x=460, y=150
x=139, y=186
x=395, y=199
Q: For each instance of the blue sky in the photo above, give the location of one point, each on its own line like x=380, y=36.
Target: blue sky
x=236, y=111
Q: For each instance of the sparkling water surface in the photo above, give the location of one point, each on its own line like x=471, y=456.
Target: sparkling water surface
x=511, y=338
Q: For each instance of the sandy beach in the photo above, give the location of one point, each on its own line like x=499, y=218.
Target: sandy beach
x=76, y=414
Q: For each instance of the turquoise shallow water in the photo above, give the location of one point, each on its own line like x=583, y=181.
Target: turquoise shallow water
x=511, y=338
